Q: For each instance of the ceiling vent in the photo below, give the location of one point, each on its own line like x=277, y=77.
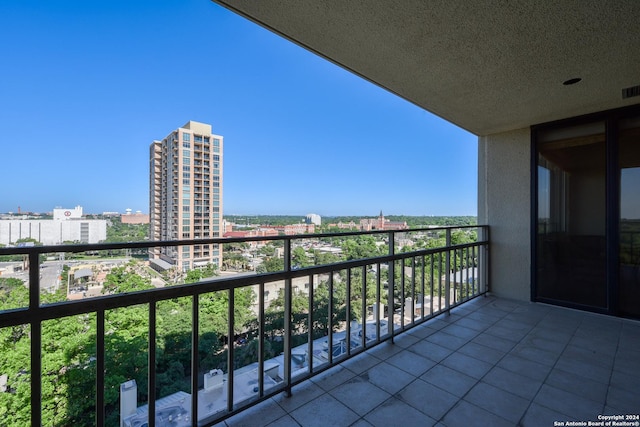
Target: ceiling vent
x=630, y=92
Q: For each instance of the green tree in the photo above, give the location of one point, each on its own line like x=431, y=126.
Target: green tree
x=299, y=258
x=123, y=279
x=363, y=246
x=270, y=265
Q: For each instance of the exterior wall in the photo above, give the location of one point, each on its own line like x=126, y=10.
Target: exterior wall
x=63, y=214
x=53, y=232
x=504, y=200
x=134, y=219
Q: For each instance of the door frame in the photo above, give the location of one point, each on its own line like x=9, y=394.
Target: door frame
x=611, y=118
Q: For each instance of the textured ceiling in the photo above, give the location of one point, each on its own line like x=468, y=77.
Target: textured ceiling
x=487, y=66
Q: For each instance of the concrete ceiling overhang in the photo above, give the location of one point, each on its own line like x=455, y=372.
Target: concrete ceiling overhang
x=486, y=66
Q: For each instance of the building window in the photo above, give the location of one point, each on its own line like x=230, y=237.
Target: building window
x=186, y=153
x=186, y=168
x=186, y=137
x=216, y=158
x=206, y=139
x=185, y=208
x=197, y=138
x=186, y=229
x=186, y=175
x=186, y=160
x=216, y=184
x=186, y=181
x=186, y=221
x=216, y=142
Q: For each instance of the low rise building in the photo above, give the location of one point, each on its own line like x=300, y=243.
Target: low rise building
x=67, y=225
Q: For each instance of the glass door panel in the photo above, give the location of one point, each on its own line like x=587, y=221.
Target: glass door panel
x=629, y=238
x=571, y=245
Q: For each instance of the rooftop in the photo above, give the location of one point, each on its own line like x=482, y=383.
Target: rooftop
x=490, y=362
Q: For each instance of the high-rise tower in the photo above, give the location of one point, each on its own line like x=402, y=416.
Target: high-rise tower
x=185, y=197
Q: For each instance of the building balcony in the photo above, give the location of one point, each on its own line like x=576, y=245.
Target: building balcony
x=424, y=343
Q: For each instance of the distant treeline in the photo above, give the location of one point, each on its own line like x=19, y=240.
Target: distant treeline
x=412, y=221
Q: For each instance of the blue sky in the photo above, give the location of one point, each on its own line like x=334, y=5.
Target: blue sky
x=86, y=86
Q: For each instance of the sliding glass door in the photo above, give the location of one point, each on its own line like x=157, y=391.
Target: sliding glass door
x=629, y=234
x=587, y=233
x=571, y=215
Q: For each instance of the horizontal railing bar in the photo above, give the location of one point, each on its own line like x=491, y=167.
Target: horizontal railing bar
x=107, y=302
x=219, y=240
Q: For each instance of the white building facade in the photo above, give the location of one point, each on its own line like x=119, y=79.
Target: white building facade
x=67, y=225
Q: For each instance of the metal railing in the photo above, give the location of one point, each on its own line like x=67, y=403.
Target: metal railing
x=362, y=302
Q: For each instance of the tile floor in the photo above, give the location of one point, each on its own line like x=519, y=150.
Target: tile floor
x=491, y=362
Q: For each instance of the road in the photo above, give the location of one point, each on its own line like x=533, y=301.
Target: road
x=50, y=271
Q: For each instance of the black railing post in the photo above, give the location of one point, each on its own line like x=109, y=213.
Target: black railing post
x=422, y=281
x=484, y=262
x=413, y=289
x=151, y=365
x=447, y=267
x=377, y=310
x=347, y=315
x=230, y=349
x=310, y=327
x=36, y=339
x=363, y=320
x=330, y=322
x=261, y=339
x=195, y=340
x=100, y=368
x=391, y=287
x=287, y=317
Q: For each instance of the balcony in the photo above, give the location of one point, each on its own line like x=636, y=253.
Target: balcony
x=302, y=347
x=447, y=353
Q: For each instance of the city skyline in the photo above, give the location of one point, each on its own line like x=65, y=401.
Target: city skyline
x=302, y=135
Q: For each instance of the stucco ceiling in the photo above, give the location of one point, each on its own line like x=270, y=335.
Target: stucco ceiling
x=487, y=66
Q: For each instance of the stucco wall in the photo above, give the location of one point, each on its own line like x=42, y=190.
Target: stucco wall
x=504, y=204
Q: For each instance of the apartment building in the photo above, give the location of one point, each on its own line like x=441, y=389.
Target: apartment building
x=186, y=196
